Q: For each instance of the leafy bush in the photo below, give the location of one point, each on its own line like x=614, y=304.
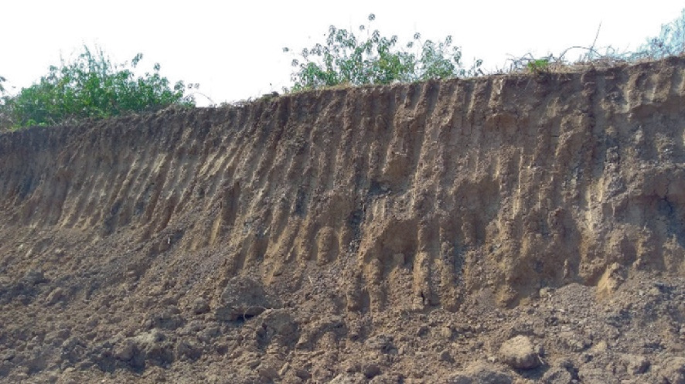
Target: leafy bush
x=91, y=87
x=346, y=59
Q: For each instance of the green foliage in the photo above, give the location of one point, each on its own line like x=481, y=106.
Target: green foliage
x=92, y=87
x=670, y=42
x=344, y=58
x=538, y=65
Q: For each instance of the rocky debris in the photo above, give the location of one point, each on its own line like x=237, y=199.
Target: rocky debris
x=58, y=294
x=209, y=333
x=154, y=347
x=371, y=370
x=25, y=289
x=34, y=277
x=125, y=350
x=573, y=341
x=480, y=373
x=200, y=306
x=5, y=368
x=293, y=374
x=277, y=325
x=613, y=277
x=381, y=343
x=315, y=330
x=73, y=350
x=188, y=350
x=243, y=298
x=168, y=318
x=345, y=378
x=56, y=337
x=268, y=373
x=557, y=375
x=387, y=379
x=446, y=356
x=519, y=353
x=673, y=371
x=635, y=364
x=149, y=347
x=591, y=375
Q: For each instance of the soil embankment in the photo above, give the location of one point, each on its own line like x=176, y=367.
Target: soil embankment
x=408, y=233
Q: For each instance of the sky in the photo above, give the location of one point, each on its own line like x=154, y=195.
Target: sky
x=234, y=50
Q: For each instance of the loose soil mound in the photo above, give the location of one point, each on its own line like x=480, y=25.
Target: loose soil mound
x=507, y=229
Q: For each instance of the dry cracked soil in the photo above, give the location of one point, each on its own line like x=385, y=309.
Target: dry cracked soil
x=520, y=228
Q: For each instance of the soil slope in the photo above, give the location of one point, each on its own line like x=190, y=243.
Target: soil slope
x=516, y=228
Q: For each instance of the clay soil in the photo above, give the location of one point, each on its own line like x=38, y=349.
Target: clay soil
x=507, y=229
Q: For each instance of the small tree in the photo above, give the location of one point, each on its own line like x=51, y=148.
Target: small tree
x=92, y=87
x=345, y=59
x=5, y=123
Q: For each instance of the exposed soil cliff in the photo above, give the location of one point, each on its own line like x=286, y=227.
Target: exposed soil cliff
x=383, y=234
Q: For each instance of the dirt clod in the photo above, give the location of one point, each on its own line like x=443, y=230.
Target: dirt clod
x=519, y=353
x=243, y=298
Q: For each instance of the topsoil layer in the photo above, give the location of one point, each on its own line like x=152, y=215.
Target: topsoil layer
x=507, y=229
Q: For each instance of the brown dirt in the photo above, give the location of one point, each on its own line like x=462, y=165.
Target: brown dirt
x=522, y=228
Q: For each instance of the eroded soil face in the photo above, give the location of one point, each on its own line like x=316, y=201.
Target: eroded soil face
x=509, y=229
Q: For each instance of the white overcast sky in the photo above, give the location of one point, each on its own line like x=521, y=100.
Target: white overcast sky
x=234, y=49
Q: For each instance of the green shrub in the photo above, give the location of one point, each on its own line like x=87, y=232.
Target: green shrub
x=91, y=87
x=346, y=59
x=538, y=65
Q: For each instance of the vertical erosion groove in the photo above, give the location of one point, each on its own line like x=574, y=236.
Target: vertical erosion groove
x=432, y=190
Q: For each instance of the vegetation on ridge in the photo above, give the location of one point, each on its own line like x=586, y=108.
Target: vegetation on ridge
x=669, y=42
x=344, y=58
x=92, y=87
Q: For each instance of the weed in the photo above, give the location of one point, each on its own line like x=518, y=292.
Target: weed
x=670, y=42
x=538, y=66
